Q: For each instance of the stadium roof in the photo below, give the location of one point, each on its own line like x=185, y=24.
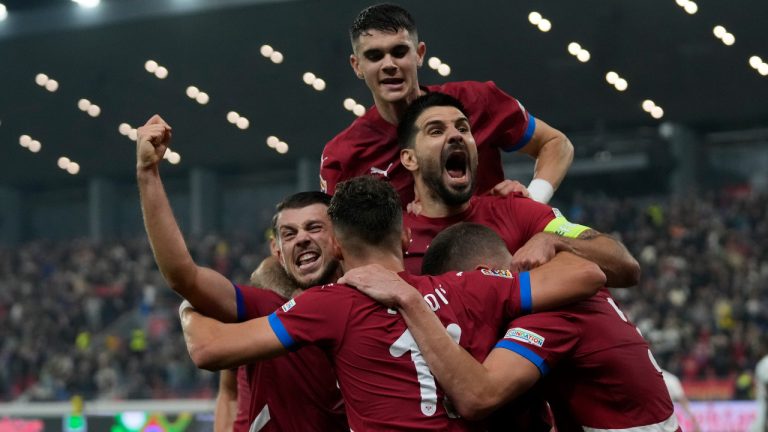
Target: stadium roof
x=99, y=54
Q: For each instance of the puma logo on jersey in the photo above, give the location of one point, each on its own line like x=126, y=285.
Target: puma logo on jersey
x=381, y=172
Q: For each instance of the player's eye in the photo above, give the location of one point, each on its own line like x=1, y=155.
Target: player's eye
x=374, y=56
x=400, y=51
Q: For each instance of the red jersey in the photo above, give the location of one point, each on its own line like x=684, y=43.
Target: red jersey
x=514, y=218
x=369, y=145
x=386, y=382
x=598, y=372
x=243, y=420
x=294, y=392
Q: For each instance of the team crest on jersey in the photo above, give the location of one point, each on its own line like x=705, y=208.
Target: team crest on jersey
x=289, y=304
x=524, y=335
x=498, y=273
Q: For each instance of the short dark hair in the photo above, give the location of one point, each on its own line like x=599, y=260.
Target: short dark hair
x=406, y=128
x=462, y=247
x=385, y=17
x=366, y=211
x=297, y=201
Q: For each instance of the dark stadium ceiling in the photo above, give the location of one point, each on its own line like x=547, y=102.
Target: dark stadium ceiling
x=99, y=54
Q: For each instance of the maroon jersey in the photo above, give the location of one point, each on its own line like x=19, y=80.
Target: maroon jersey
x=386, y=382
x=243, y=420
x=514, y=218
x=369, y=145
x=598, y=372
x=295, y=392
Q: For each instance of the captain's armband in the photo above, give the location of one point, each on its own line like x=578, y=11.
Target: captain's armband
x=560, y=226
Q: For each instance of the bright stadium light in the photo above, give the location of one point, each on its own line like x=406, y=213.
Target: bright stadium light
x=349, y=104
x=358, y=110
x=621, y=84
x=63, y=162
x=308, y=78
x=232, y=117
x=583, y=56
x=434, y=62
x=41, y=79
x=3, y=12
x=729, y=39
x=574, y=48
x=534, y=18
x=266, y=50
x=719, y=31
x=87, y=3
x=755, y=62
x=73, y=168
x=657, y=112
x=444, y=70
x=243, y=123
x=545, y=25
x=272, y=141
x=276, y=57
x=161, y=72
x=174, y=158
x=648, y=105
x=611, y=77
x=24, y=140
x=83, y=104
x=319, y=84
x=52, y=85
x=691, y=7
x=34, y=146
x=150, y=66
x=124, y=129
x=192, y=92
x=282, y=147
x=94, y=110
x=763, y=69
x=202, y=98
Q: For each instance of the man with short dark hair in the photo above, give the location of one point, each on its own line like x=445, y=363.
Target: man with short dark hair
x=383, y=377
x=386, y=55
x=303, y=380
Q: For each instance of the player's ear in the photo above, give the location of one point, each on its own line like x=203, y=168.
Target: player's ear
x=421, y=51
x=336, y=249
x=353, y=61
x=482, y=266
x=408, y=159
x=405, y=238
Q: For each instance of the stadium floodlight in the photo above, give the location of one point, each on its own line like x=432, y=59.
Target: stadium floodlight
x=349, y=104
x=444, y=70
x=3, y=12
x=719, y=31
x=192, y=92
x=276, y=57
x=611, y=77
x=755, y=62
x=534, y=18
x=648, y=105
x=308, y=78
x=319, y=84
x=266, y=50
x=545, y=25
x=272, y=141
x=729, y=39
x=434, y=62
x=574, y=48
x=87, y=3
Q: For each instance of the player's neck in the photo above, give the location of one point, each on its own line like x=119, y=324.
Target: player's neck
x=433, y=206
x=392, y=111
x=390, y=260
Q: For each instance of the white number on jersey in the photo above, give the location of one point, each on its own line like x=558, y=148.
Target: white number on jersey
x=624, y=318
x=427, y=387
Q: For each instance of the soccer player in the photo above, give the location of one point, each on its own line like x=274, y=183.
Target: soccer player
x=439, y=149
x=677, y=394
x=384, y=380
x=597, y=371
x=761, y=384
x=386, y=55
x=303, y=380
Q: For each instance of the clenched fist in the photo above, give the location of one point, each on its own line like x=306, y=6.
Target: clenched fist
x=152, y=141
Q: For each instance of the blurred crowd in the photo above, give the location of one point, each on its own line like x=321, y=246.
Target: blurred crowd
x=97, y=320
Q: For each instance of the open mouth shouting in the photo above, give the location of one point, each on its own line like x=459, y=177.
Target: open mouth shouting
x=456, y=169
x=392, y=84
x=307, y=261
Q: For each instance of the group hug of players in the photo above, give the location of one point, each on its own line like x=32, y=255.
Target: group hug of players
x=477, y=308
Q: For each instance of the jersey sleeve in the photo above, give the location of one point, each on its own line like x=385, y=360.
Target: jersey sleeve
x=507, y=118
x=542, y=338
x=331, y=169
x=501, y=287
x=316, y=317
x=249, y=300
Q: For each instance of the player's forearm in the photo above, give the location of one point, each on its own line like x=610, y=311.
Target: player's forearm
x=463, y=378
x=620, y=267
x=170, y=250
x=553, y=159
x=208, y=291
x=214, y=345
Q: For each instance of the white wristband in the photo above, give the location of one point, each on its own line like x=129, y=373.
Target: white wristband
x=541, y=190
x=184, y=306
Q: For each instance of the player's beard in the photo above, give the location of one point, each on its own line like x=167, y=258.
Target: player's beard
x=328, y=275
x=432, y=175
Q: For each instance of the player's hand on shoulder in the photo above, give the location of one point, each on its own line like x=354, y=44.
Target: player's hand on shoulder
x=375, y=281
x=508, y=187
x=538, y=250
x=152, y=140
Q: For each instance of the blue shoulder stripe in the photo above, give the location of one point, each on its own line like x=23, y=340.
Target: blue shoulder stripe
x=281, y=332
x=529, y=130
x=525, y=353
